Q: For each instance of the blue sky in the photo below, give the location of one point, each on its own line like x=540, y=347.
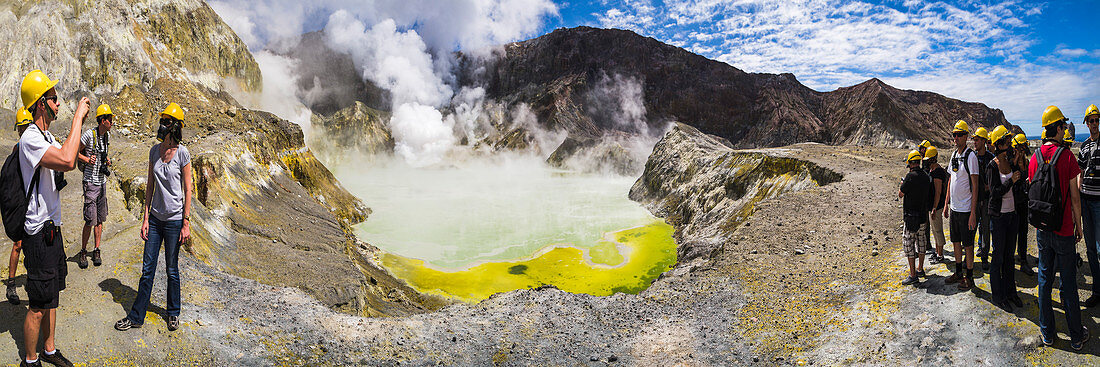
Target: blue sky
x=1019, y=56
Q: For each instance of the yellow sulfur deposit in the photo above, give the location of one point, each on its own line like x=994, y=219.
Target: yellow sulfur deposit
x=624, y=261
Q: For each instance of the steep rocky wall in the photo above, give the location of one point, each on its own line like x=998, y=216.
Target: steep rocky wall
x=103, y=46
x=705, y=188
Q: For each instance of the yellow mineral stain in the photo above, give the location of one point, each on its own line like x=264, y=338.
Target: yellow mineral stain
x=599, y=270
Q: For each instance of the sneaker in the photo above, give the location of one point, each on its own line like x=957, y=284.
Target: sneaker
x=1093, y=300
x=37, y=363
x=56, y=359
x=126, y=324
x=965, y=284
x=13, y=298
x=954, y=278
x=910, y=280
x=1026, y=269
x=1084, y=338
x=82, y=259
x=935, y=260
x=985, y=265
x=97, y=260
x=173, y=323
x=921, y=274
x=1047, y=341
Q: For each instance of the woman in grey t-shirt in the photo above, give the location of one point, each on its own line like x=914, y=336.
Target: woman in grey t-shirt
x=166, y=219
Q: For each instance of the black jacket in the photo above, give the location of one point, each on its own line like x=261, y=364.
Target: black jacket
x=997, y=190
x=915, y=205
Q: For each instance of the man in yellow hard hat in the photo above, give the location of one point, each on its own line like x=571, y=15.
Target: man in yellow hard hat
x=1089, y=162
x=22, y=120
x=94, y=162
x=41, y=156
x=915, y=190
x=1055, y=210
x=981, y=148
x=923, y=147
x=939, y=195
x=962, y=196
x=1023, y=154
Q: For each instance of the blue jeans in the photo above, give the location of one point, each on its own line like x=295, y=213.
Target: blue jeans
x=1090, y=213
x=169, y=233
x=1058, y=253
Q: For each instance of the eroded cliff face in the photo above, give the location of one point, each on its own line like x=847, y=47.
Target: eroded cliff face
x=705, y=188
x=264, y=206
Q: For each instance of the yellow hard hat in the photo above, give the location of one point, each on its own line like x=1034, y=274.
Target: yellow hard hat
x=1092, y=110
x=1052, y=115
x=913, y=156
x=103, y=110
x=981, y=133
x=1067, y=137
x=1020, y=139
x=23, y=117
x=961, y=126
x=925, y=144
x=930, y=153
x=35, y=84
x=174, y=111
x=998, y=133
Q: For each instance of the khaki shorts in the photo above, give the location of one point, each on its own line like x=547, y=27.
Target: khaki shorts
x=915, y=242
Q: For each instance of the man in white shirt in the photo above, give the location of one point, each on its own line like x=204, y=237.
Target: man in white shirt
x=40, y=156
x=962, y=194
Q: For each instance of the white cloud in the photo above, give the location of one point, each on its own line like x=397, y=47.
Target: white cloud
x=969, y=50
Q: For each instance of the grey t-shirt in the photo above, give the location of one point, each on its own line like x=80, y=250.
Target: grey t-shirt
x=167, y=201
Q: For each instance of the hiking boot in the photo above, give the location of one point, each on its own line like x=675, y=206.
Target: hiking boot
x=910, y=280
x=37, y=363
x=1015, y=299
x=935, y=260
x=82, y=259
x=921, y=274
x=1084, y=338
x=1093, y=300
x=985, y=265
x=56, y=359
x=965, y=284
x=954, y=278
x=97, y=260
x=13, y=298
x=173, y=323
x=126, y=324
x=1026, y=269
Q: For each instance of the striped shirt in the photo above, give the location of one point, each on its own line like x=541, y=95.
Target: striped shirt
x=94, y=144
x=1089, y=161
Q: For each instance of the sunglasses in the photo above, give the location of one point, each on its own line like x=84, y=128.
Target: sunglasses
x=1093, y=121
x=168, y=120
x=959, y=135
x=52, y=98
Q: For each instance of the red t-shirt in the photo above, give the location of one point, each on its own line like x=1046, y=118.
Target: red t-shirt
x=1067, y=170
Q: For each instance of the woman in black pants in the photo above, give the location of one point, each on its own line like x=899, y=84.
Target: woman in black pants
x=1004, y=174
x=1019, y=193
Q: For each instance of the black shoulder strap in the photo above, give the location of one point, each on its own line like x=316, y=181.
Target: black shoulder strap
x=34, y=183
x=1057, y=154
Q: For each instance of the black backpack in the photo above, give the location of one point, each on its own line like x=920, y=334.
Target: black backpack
x=1045, y=206
x=13, y=200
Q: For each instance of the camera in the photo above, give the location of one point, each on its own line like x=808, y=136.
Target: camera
x=103, y=169
x=59, y=181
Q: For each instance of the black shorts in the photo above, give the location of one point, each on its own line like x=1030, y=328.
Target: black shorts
x=44, y=258
x=960, y=229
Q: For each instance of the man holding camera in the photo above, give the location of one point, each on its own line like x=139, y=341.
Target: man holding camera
x=94, y=164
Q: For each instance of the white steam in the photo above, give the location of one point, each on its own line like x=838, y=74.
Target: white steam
x=403, y=46
x=278, y=95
